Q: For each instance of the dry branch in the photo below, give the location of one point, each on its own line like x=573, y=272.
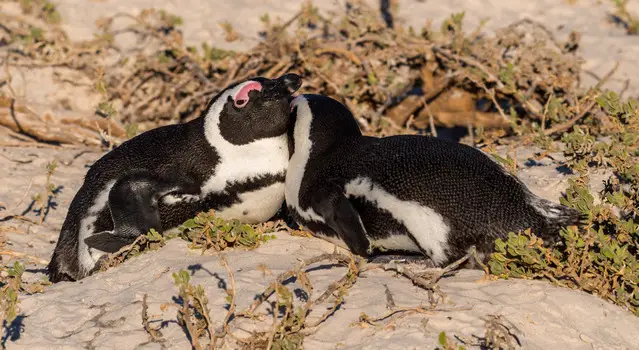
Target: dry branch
x=355, y=57
x=69, y=129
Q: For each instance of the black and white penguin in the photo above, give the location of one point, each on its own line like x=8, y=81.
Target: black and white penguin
x=405, y=194
x=232, y=159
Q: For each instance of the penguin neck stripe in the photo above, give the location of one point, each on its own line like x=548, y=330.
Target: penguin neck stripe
x=299, y=159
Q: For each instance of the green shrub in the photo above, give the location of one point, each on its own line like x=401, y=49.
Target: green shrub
x=206, y=231
x=601, y=256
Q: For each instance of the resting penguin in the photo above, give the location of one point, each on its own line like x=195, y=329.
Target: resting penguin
x=232, y=159
x=406, y=194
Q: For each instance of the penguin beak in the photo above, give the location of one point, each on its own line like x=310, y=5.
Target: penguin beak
x=282, y=87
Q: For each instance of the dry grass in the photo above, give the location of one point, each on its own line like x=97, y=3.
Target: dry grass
x=290, y=320
x=395, y=79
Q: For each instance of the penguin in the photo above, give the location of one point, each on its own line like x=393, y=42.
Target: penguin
x=408, y=195
x=231, y=159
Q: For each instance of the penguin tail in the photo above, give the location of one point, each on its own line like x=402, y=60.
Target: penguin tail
x=557, y=216
x=63, y=265
x=54, y=270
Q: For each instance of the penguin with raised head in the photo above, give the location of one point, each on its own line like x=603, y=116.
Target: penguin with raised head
x=406, y=194
x=231, y=159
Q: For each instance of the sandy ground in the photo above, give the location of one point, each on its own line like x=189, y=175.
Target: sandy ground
x=103, y=311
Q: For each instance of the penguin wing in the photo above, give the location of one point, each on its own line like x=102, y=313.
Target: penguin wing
x=105, y=241
x=342, y=217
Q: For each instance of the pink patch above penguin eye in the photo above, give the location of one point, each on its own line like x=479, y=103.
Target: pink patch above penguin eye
x=242, y=97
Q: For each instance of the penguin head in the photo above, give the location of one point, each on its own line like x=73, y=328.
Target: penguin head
x=254, y=109
x=322, y=120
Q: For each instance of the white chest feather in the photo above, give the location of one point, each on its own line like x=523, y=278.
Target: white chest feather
x=256, y=206
x=241, y=163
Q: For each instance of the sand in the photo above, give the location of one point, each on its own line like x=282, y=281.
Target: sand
x=103, y=311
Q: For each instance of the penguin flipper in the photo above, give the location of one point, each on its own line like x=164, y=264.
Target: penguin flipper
x=343, y=218
x=107, y=242
x=133, y=202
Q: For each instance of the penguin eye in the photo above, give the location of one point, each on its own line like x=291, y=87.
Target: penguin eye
x=240, y=103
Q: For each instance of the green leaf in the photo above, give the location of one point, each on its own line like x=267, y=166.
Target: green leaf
x=500, y=245
x=190, y=224
x=184, y=276
x=17, y=270
x=496, y=268
x=607, y=252
x=443, y=340
x=500, y=257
